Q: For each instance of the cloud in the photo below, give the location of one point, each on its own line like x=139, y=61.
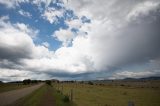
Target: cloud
x=8, y=3
x=13, y=74
x=39, y=3
x=64, y=60
x=8, y=75
x=51, y=14
x=15, y=3
x=74, y=23
x=18, y=52
x=25, y=13
x=32, y=32
x=46, y=44
x=64, y=36
x=142, y=9
x=117, y=42
x=14, y=44
x=129, y=74
x=17, y=44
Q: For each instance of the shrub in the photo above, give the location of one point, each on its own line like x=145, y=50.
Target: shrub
x=90, y=83
x=26, y=81
x=66, y=98
x=34, y=81
x=122, y=85
x=58, y=91
x=48, y=82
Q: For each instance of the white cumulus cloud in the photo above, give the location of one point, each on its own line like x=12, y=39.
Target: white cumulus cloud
x=64, y=36
x=25, y=13
x=52, y=14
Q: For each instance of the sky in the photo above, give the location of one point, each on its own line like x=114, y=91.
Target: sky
x=79, y=39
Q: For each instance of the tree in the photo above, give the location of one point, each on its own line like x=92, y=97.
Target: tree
x=90, y=83
x=26, y=81
x=34, y=81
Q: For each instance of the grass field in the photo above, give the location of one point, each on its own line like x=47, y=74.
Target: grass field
x=96, y=95
x=11, y=86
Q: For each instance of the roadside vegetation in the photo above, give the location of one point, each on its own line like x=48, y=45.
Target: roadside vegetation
x=62, y=100
x=47, y=95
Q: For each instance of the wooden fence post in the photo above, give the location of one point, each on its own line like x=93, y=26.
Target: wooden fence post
x=62, y=89
x=58, y=87
x=71, y=94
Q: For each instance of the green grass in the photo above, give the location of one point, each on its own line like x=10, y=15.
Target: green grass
x=9, y=86
x=96, y=95
x=59, y=99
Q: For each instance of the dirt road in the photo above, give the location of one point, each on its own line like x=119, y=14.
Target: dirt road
x=47, y=99
x=9, y=97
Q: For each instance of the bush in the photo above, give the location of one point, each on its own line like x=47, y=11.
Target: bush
x=26, y=81
x=58, y=91
x=66, y=98
x=48, y=82
x=34, y=81
x=122, y=85
x=90, y=83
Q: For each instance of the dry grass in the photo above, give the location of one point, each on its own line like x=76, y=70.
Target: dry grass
x=96, y=95
x=11, y=86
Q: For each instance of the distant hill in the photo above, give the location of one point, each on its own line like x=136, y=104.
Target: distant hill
x=150, y=78
x=127, y=79
x=145, y=78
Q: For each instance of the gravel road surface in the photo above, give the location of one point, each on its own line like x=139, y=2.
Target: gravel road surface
x=9, y=97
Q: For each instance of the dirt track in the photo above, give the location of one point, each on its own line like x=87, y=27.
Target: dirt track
x=48, y=99
x=9, y=97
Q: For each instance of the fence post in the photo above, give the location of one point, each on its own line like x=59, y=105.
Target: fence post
x=62, y=89
x=71, y=94
x=58, y=87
